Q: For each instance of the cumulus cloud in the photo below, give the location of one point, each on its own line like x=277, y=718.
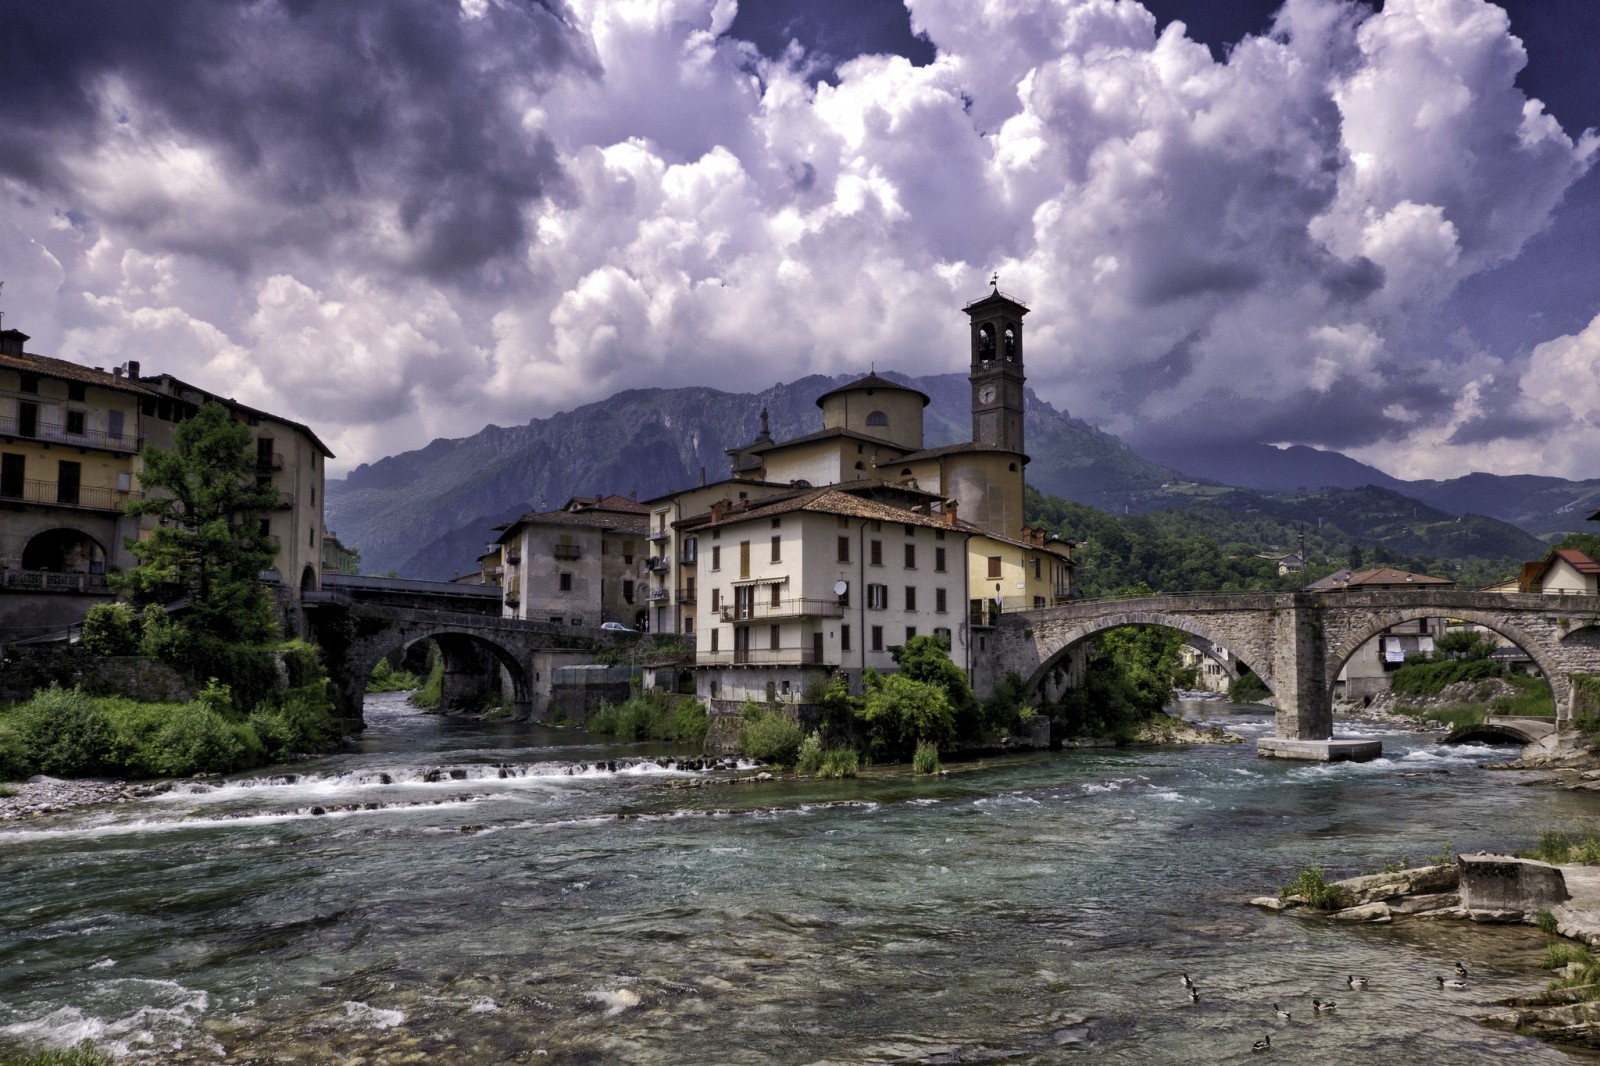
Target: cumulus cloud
x=406, y=220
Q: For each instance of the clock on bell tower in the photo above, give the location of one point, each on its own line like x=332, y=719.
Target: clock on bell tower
x=997, y=378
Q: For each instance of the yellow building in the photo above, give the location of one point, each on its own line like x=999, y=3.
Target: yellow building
x=70, y=438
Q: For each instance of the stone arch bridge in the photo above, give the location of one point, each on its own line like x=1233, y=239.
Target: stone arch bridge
x=1297, y=642
x=358, y=621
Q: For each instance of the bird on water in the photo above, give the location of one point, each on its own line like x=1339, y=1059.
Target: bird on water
x=1323, y=1006
x=1280, y=1012
x=1264, y=1044
x=1359, y=984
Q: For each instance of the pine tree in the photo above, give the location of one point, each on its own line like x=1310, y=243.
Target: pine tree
x=210, y=543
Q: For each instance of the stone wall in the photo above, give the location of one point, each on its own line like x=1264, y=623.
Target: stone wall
x=32, y=667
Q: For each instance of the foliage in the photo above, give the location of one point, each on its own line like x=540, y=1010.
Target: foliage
x=654, y=714
x=1445, y=856
x=1311, y=885
x=82, y=1054
x=771, y=736
x=1546, y=922
x=1559, y=847
x=1464, y=644
x=1429, y=677
x=837, y=709
x=926, y=658
x=1454, y=716
x=1131, y=677
x=808, y=760
x=70, y=733
x=386, y=678
x=208, y=543
x=1007, y=709
x=1249, y=688
x=110, y=629
x=839, y=762
x=899, y=712
x=431, y=693
x=926, y=758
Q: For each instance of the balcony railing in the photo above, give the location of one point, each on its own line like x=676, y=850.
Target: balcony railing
x=89, y=438
x=48, y=581
x=686, y=595
x=269, y=461
x=661, y=534
x=567, y=551
x=87, y=497
x=759, y=657
x=657, y=564
x=285, y=501
x=766, y=610
x=656, y=595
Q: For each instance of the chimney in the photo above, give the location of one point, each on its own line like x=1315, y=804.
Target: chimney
x=702, y=477
x=719, y=510
x=11, y=341
x=133, y=370
x=950, y=510
x=116, y=372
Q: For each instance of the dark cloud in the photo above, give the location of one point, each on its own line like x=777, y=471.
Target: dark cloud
x=1501, y=421
x=408, y=103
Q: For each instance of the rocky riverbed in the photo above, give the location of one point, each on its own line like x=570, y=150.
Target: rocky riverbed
x=51, y=795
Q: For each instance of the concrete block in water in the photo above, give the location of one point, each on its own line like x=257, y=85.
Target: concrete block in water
x=1504, y=887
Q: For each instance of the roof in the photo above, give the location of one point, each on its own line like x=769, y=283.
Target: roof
x=995, y=297
x=1577, y=560
x=604, y=521
x=237, y=406
x=1376, y=578
x=873, y=381
x=963, y=447
x=609, y=502
x=28, y=363
x=821, y=434
x=828, y=501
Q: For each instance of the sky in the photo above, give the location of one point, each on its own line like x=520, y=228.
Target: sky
x=1369, y=228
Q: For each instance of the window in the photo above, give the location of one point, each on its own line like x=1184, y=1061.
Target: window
x=114, y=431
x=75, y=423
x=911, y=631
x=716, y=557
x=877, y=418
x=938, y=559
x=558, y=619
x=844, y=549
x=844, y=638
x=30, y=383
x=942, y=632
x=777, y=595
x=715, y=632
x=911, y=597
x=744, y=558
x=1035, y=561
x=777, y=549
x=777, y=523
x=878, y=597
x=875, y=552
x=772, y=635
x=994, y=566
x=566, y=582
x=911, y=556
x=627, y=590
x=1038, y=601
x=716, y=599
x=877, y=638
x=68, y=475
x=939, y=600
x=627, y=553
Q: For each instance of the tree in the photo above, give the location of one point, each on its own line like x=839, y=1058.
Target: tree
x=210, y=542
x=899, y=712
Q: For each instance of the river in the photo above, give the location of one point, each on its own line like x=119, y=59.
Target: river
x=497, y=893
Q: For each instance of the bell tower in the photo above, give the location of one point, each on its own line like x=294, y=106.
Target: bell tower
x=997, y=379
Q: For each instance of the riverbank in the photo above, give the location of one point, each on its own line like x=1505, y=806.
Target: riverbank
x=53, y=795
x=1561, y=899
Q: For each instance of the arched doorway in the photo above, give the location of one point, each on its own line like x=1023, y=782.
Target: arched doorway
x=64, y=551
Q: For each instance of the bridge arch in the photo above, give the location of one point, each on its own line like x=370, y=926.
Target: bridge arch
x=469, y=654
x=1256, y=657
x=1342, y=648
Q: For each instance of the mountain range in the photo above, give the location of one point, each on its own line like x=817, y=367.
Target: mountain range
x=428, y=513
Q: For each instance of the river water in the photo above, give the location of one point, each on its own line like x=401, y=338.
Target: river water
x=487, y=893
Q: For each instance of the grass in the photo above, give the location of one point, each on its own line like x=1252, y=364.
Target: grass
x=926, y=758
x=9, y=792
x=652, y=715
x=1455, y=715
x=84, y=1054
x=1311, y=885
x=1556, y=846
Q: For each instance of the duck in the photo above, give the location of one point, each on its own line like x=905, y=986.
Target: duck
x=1358, y=984
x=1194, y=994
x=1461, y=971
x=1452, y=985
x=1280, y=1012
x=1322, y=1006
x=1186, y=982
x=1264, y=1044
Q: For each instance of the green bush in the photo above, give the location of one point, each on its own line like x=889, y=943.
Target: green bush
x=110, y=629
x=1429, y=678
x=431, y=693
x=161, y=637
x=772, y=737
x=1554, y=847
x=303, y=722
x=1311, y=885
x=839, y=762
x=900, y=712
x=926, y=758
x=809, y=759
x=654, y=714
x=385, y=678
x=1249, y=688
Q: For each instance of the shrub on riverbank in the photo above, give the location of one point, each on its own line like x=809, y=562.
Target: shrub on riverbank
x=1249, y=688
x=386, y=677
x=652, y=715
x=70, y=733
x=770, y=735
x=1311, y=885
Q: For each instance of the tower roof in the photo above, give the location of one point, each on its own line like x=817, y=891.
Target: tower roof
x=996, y=299
x=872, y=381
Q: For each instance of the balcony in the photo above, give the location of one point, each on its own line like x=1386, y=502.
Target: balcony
x=567, y=551
x=686, y=595
x=657, y=595
x=514, y=556
x=285, y=501
x=54, y=434
x=661, y=535
x=268, y=461
x=84, y=497
x=767, y=611
x=658, y=564
x=49, y=581
x=759, y=657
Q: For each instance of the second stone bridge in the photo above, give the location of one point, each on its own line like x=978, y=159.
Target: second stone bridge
x=1297, y=642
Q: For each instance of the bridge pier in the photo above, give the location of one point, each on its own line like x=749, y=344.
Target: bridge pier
x=1303, y=728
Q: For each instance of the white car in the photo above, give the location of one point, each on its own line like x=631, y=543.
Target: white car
x=616, y=627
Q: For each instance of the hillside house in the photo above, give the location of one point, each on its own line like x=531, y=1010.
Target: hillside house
x=1563, y=572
